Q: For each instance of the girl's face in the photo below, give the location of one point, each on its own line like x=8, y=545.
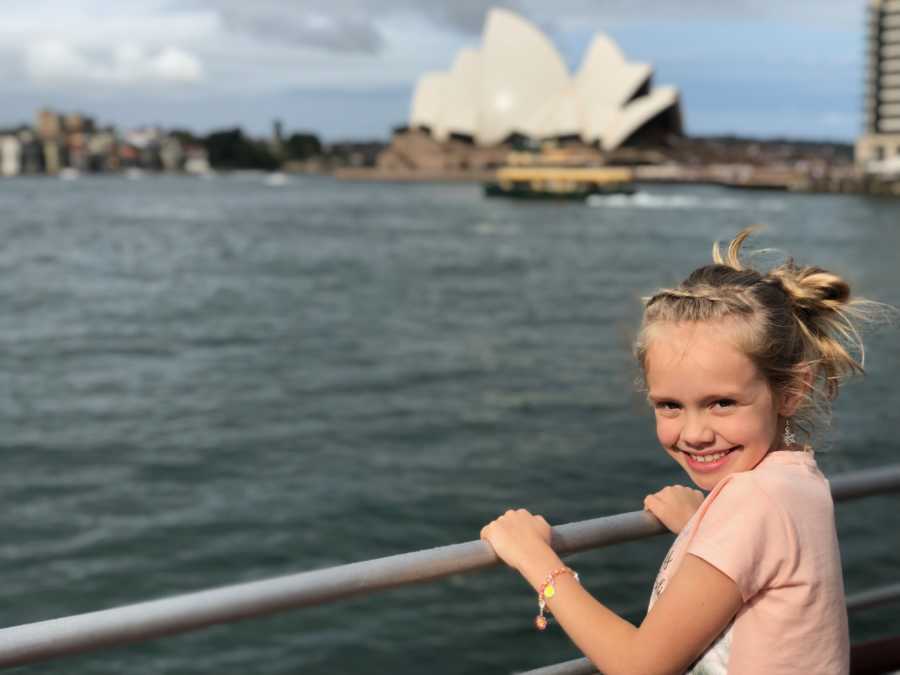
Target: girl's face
x=715, y=414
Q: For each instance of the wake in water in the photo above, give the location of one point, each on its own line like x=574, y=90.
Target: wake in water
x=649, y=200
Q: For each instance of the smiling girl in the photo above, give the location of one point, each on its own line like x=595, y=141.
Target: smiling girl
x=736, y=363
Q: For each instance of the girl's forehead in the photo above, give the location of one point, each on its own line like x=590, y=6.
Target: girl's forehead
x=697, y=349
x=719, y=335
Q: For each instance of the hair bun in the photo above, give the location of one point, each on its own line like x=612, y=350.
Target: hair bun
x=812, y=288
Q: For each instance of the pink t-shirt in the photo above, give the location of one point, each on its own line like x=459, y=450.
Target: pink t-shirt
x=771, y=530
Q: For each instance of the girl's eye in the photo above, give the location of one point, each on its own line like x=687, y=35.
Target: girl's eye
x=724, y=403
x=667, y=405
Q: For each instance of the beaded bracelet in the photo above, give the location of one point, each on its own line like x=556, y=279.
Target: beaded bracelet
x=547, y=591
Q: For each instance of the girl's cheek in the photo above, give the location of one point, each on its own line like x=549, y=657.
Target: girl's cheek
x=731, y=429
x=666, y=431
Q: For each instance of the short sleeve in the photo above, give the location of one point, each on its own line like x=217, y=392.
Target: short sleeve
x=741, y=531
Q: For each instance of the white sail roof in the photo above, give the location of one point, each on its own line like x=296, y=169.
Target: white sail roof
x=557, y=116
x=518, y=83
x=428, y=99
x=520, y=70
x=606, y=78
x=605, y=83
x=459, y=111
x=636, y=114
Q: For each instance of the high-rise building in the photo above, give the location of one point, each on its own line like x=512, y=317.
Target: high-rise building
x=77, y=123
x=49, y=125
x=879, y=147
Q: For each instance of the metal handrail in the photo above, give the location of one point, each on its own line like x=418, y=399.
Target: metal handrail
x=874, y=597
x=44, y=640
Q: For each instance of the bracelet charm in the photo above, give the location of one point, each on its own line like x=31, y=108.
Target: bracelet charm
x=547, y=591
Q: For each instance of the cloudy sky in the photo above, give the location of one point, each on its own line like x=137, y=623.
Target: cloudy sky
x=347, y=68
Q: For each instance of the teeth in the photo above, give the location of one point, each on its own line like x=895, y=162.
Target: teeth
x=704, y=459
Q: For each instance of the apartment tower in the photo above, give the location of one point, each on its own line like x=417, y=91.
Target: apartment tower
x=879, y=147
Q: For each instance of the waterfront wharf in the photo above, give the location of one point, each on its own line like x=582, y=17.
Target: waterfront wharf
x=843, y=179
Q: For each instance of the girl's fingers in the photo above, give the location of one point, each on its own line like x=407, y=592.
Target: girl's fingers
x=513, y=520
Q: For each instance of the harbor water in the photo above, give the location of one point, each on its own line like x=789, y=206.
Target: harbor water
x=209, y=381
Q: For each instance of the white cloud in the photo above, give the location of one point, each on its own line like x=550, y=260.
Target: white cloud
x=357, y=26
x=235, y=46
x=96, y=27
x=56, y=62
x=176, y=65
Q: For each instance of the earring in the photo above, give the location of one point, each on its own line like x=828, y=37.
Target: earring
x=789, y=438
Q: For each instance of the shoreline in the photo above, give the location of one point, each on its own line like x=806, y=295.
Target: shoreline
x=837, y=180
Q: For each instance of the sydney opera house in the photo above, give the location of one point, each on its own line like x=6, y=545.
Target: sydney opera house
x=517, y=85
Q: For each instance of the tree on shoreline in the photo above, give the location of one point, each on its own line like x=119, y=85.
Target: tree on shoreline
x=230, y=149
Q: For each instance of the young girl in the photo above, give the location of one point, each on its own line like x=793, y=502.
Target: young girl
x=735, y=362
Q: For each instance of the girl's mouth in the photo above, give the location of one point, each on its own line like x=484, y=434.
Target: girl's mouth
x=709, y=461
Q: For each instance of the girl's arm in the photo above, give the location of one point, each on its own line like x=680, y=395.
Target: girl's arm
x=695, y=608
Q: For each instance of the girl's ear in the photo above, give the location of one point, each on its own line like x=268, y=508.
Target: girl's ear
x=799, y=390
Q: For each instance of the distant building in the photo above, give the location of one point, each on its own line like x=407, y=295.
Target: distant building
x=102, y=154
x=144, y=147
x=128, y=156
x=76, y=151
x=171, y=154
x=878, y=149
x=49, y=125
x=518, y=86
x=77, y=123
x=10, y=155
x=52, y=156
x=70, y=143
x=32, y=152
x=196, y=160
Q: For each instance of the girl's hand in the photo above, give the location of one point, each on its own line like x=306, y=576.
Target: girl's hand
x=518, y=537
x=674, y=505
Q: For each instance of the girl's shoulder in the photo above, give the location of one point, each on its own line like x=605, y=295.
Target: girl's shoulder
x=786, y=483
x=790, y=476
x=779, y=472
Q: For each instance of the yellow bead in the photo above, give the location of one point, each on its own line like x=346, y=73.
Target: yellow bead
x=549, y=591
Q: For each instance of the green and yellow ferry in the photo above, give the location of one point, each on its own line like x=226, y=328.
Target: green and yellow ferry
x=541, y=182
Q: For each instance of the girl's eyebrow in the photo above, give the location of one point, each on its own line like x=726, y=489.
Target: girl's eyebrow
x=706, y=399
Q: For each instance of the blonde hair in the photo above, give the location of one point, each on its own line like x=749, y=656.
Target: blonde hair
x=797, y=324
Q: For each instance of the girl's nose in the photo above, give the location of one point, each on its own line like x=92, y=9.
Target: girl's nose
x=696, y=432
